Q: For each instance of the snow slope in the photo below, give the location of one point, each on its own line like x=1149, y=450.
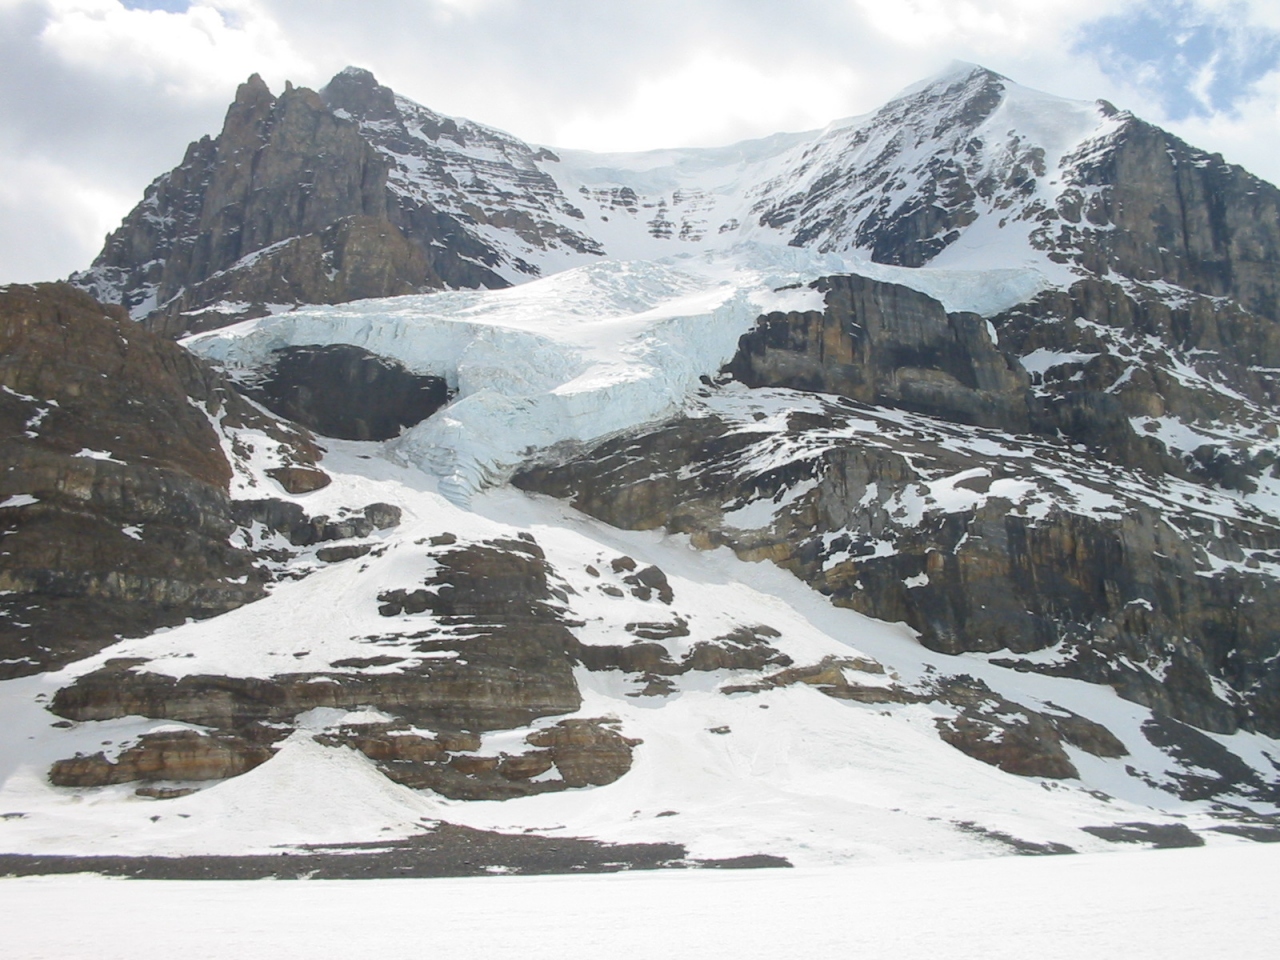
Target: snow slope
x=837, y=191
x=786, y=771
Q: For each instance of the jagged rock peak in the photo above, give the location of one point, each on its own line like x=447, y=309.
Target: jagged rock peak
x=357, y=91
x=963, y=95
x=357, y=73
x=254, y=91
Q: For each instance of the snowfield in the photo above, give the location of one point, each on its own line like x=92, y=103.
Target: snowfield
x=1162, y=905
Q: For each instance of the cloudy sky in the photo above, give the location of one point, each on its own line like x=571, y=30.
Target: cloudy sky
x=97, y=97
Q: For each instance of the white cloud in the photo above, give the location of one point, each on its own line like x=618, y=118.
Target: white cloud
x=991, y=24
x=1250, y=138
x=50, y=215
x=713, y=99
x=185, y=53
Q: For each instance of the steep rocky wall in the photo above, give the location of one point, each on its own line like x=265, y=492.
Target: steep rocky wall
x=1112, y=364
x=289, y=204
x=114, y=499
x=1167, y=211
x=886, y=343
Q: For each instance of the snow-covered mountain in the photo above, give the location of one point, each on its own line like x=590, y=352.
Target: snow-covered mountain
x=903, y=488
x=358, y=192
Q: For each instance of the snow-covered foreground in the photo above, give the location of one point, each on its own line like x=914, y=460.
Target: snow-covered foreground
x=1164, y=905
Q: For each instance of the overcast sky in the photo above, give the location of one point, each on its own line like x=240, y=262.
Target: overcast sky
x=98, y=97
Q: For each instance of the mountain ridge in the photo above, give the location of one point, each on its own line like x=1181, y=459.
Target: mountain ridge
x=501, y=211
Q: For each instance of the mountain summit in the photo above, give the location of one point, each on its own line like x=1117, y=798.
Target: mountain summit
x=357, y=192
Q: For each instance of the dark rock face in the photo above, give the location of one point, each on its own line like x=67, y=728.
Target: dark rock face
x=884, y=343
x=347, y=392
x=289, y=204
x=1123, y=360
x=586, y=752
x=1178, y=214
x=116, y=518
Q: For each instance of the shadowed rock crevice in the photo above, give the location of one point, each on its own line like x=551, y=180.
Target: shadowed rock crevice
x=347, y=392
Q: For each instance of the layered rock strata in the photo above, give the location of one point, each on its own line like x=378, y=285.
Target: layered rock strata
x=987, y=541
x=114, y=500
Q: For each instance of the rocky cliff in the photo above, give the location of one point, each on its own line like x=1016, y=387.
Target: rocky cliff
x=115, y=500
x=1138, y=563
x=315, y=198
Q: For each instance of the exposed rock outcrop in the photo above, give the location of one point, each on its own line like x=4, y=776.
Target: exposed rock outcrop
x=1149, y=206
x=301, y=530
x=114, y=500
x=571, y=753
x=885, y=343
x=176, y=755
x=747, y=648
